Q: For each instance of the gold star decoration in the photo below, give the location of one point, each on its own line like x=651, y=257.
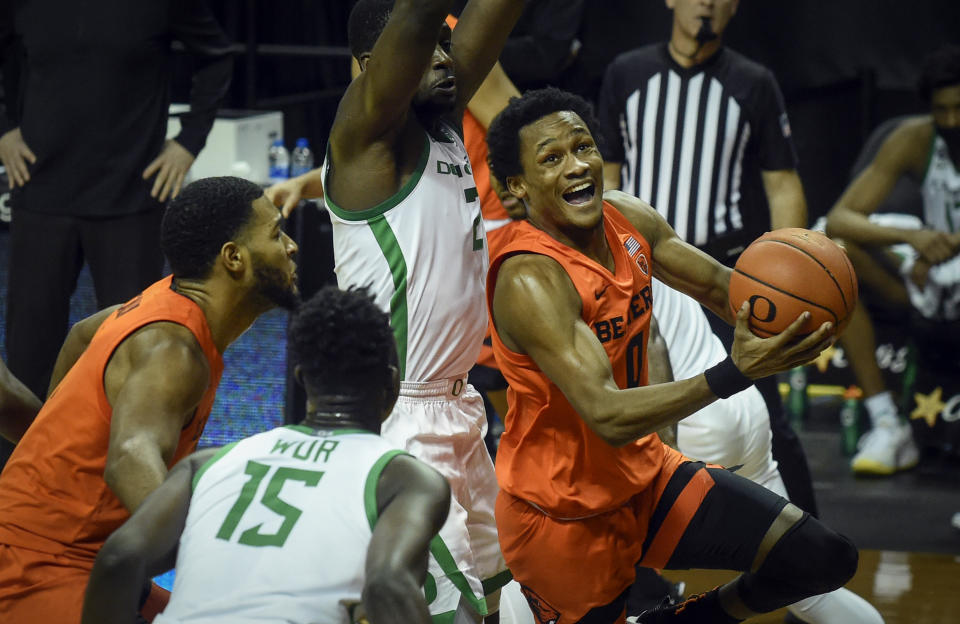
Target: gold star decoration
x=823, y=360
x=929, y=406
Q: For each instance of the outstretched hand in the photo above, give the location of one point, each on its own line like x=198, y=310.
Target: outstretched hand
x=759, y=357
x=171, y=167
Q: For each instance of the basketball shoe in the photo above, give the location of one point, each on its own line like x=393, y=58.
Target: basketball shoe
x=886, y=449
x=700, y=609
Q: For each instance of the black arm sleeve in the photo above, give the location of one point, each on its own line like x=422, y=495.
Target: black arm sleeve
x=775, y=139
x=542, y=53
x=193, y=24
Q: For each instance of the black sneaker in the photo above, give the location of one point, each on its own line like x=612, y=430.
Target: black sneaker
x=702, y=609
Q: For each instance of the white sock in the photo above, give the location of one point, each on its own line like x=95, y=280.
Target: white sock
x=883, y=412
x=840, y=606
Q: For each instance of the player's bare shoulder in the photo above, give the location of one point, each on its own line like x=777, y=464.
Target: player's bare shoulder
x=159, y=348
x=641, y=215
x=909, y=144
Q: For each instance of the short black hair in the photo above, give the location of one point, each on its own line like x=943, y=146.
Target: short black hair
x=367, y=20
x=204, y=216
x=342, y=341
x=503, y=136
x=940, y=68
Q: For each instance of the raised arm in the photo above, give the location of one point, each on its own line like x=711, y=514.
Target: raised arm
x=905, y=151
x=412, y=501
x=146, y=545
x=569, y=353
x=18, y=406
x=378, y=101
x=675, y=262
x=478, y=40
x=494, y=94
x=154, y=382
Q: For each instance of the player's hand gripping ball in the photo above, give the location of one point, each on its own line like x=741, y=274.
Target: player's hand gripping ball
x=786, y=272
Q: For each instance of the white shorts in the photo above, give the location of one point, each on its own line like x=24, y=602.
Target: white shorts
x=731, y=432
x=443, y=423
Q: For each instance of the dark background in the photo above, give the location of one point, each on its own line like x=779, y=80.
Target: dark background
x=844, y=65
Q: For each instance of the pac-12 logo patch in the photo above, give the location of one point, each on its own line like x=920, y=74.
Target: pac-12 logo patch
x=642, y=263
x=544, y=613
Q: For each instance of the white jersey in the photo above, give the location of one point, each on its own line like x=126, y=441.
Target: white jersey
x=423, y=254
x=691, y=342
x=278, y=529
x=941, y=189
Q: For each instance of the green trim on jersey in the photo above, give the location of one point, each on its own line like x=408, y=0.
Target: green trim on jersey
x=496, y=581
x=390, y=202
x=390, y=247
x=370, y=487
x=332, y=432
x=448, y=564
x=443, y=618
x=219, y=454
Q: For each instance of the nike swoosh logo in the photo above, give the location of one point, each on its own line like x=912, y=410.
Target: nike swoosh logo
x=599, y=293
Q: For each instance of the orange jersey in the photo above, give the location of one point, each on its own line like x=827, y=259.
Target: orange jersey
x=53, y=498
x=475, y=140
x=548, y=455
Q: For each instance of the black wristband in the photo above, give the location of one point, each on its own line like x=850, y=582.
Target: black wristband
x=725, y=379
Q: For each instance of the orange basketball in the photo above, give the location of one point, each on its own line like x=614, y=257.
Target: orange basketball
x=787, y=272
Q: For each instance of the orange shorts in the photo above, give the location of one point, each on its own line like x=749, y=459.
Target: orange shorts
x=40, y=587
x=568, y=567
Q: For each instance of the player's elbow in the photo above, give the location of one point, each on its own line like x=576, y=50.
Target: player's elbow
x=610, y=425
x=389, y=591
x=121, y=555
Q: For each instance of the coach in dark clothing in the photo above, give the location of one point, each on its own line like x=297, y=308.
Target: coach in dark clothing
x=87, y=92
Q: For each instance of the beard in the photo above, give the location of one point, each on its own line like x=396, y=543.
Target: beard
x=274, y=285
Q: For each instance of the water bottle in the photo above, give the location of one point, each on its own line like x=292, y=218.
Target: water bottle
x=850, y=420
x=301, y=161
x=279, y=159
x=797, y=403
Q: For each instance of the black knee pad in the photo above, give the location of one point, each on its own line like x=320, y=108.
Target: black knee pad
x=812, y=556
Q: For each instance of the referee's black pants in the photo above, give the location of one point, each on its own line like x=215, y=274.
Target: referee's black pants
x=47, y=253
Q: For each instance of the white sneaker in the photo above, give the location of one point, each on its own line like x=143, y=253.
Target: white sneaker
x=885, y=450
x=955, y=521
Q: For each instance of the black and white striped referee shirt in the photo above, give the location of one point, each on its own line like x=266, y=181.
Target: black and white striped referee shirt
x=693, y=141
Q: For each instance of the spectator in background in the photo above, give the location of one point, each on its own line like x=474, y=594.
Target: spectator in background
x=903, y=261
x=701, y=133
x=83, y=141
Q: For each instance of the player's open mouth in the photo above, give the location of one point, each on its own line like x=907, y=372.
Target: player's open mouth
x=580, y=194
x=447, y=85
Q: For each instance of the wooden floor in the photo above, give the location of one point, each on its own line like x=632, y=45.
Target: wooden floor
x=906, y=588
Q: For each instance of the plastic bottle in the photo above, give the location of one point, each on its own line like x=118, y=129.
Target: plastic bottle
x=301, y=161
x=850, y=420
x=279, y=159
x=797, y=402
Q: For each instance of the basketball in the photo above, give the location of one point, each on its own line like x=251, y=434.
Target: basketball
x=786, y=272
